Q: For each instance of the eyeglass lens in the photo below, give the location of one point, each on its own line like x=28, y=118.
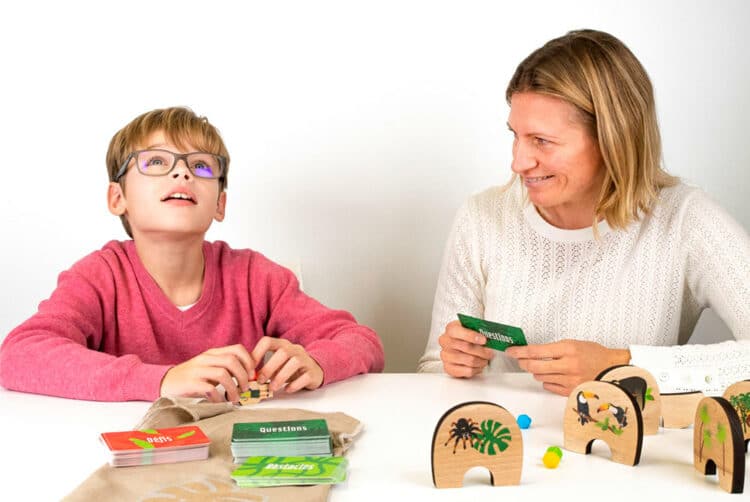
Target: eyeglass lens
x=160, y=162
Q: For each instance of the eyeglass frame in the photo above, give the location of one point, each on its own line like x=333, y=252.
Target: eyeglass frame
x=177, y=157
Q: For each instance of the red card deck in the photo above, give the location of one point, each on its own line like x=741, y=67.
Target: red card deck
x=156, y=446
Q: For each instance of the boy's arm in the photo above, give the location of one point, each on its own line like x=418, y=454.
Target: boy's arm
x=55, y=351
x=340, y=346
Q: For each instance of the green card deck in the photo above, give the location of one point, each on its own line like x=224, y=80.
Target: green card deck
x=286, y=438
x=296, y=470
x=499, y=336
x=156, y=446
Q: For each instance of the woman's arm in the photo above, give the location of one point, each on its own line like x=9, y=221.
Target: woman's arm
x=460, y=289
x=717, y=276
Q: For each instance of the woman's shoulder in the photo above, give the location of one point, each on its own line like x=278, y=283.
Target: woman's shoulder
x=693, y=211
x=679, y=193
x=684, y=200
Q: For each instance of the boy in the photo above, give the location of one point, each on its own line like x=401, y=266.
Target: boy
x=168, y=313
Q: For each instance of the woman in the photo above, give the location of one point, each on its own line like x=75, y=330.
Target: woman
x=598, y=254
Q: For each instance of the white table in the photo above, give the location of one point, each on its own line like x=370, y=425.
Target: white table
x=389, y=461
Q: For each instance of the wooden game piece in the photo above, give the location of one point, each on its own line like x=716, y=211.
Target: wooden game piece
x=606, y=411
x=678, y=409
x=256, y=393
x=643, y=387
x=718, y=443
x=738, y=395
x=475, y=434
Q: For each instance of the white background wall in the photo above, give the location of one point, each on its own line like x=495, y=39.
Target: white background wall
x=356, y=128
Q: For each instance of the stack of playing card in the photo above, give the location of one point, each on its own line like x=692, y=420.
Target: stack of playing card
x=277, y=471
x=156, y=446
x=280, y=439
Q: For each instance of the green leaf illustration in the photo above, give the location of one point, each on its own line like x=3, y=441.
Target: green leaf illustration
x=721, y=433
x=150, y=431
x=649, y=396
x=494, y=437
x=258, y=464
x=141, y=443
x=705, y=418
x=603, y=425
x=707, y=438
x=606, y=426
x=324, y=465
x=185, y=434
x=294, y=467
x=741, y=403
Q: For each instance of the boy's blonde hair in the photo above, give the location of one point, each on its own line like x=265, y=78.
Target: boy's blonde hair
x=180, y=125
x=603, y=80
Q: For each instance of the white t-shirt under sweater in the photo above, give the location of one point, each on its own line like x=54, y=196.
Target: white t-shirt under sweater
x=641, y=288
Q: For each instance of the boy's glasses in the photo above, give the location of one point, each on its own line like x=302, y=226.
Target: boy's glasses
x=161, y=162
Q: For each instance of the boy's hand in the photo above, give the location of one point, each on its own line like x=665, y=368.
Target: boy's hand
x=462, y=351
x=562, y=366
x=200, y=375
x=290, y=364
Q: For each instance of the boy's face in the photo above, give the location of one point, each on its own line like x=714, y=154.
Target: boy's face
x=178, y=203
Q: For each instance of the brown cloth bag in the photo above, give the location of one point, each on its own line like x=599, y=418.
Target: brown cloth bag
x=209, y=479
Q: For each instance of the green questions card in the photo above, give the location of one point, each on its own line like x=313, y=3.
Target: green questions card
x=499, y=336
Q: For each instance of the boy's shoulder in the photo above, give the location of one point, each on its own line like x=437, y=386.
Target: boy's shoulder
x=110, y=254
x=103, y=267
x=227, y=257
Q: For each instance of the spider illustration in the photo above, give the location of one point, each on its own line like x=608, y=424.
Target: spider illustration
x=465, y=429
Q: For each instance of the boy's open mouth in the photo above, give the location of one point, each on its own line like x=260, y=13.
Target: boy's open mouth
x=179, y=196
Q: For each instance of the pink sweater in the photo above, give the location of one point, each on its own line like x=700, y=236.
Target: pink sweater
x=108, y=333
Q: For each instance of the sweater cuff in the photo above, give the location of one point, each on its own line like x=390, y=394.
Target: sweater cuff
x=335, y=362
x=672, y=378
x=332, y=366
x=144, y=382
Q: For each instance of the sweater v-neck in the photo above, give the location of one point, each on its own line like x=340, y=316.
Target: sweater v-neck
x=156, y=296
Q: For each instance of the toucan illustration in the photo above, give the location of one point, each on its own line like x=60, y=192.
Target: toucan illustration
x=636, y=387
x=617, y=412
x=583, y=406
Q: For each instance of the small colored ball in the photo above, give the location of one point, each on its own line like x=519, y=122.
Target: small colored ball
x=556, y=450
x=524, y=421
x=551, y=460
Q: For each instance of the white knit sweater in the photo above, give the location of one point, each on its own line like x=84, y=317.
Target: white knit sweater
x=642, y=288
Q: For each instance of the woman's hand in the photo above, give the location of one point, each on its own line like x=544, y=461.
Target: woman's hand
x=562, y=366
x=230, y=366
x=462, y=351
x=290, y=365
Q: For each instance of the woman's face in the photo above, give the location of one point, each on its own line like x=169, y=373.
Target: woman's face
x=557, y=159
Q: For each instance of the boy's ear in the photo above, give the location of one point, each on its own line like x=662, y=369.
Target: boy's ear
x=221, y=205
x=116, y=199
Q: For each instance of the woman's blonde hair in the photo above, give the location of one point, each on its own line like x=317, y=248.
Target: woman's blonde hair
x=180, y=125
x=597, y=74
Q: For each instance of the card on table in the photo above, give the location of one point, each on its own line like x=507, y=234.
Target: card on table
x=499, y=336
x=281, y=430
x=298, y=470
x=281, y=438
x=156, y=446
